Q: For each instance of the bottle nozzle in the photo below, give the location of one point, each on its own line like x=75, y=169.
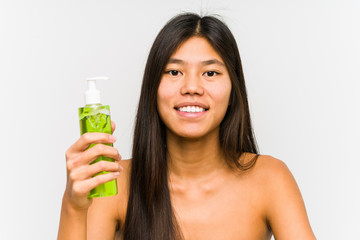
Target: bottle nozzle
x=92, y=95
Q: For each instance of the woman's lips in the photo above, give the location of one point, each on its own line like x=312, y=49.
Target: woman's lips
x=191, y=107
x=192, y=110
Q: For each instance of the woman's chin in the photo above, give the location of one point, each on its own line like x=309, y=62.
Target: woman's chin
x=191, y=135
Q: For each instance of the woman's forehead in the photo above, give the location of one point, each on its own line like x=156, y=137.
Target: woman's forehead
x=196, y=50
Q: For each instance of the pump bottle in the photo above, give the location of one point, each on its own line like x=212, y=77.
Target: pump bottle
x=95, y=117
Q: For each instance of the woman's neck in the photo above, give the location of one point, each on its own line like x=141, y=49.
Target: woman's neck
x=190, y=159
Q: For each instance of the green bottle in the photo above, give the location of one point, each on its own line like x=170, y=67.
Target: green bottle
x=95, y=117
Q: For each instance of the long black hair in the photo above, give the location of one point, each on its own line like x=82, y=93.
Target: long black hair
x=149, y=212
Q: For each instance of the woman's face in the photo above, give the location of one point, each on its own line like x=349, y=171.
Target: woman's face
x=194, y=90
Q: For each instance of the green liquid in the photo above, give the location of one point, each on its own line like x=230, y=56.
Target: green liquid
x=96, y=118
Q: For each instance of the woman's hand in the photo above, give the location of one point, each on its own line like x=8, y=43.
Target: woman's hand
x=80, y=173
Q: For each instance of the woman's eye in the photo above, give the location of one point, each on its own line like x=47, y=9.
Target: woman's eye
x=173, y=73
x=211, y=73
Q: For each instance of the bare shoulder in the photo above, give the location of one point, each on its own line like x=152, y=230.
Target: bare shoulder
x=270, y=167
x=282, y=199
x=126, y=163
x=265, y=166
x=275, y=178
x=124, y=177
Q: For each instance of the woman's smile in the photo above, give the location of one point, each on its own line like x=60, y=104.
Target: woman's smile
x=191, y=110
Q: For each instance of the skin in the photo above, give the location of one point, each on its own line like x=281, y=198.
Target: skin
x=210, y=200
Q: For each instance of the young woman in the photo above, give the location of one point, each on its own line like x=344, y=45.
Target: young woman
x=195, y=171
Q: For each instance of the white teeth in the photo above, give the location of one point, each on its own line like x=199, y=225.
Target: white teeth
x=191, y=109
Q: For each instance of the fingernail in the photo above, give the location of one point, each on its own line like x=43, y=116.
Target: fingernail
x=112, y=138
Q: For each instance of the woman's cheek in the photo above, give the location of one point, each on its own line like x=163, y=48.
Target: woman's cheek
x=220, y=94
x=165, y=93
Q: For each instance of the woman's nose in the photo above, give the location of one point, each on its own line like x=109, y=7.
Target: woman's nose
x=192, y=85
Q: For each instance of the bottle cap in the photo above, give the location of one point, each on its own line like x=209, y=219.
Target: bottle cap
x=92, y=95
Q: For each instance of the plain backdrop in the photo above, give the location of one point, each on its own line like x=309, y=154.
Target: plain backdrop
x=302, y=67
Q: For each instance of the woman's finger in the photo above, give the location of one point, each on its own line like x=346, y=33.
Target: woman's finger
x=90, y=138
x=90, y=155
x=88, y=171
x=84, y=187
x=98, y=150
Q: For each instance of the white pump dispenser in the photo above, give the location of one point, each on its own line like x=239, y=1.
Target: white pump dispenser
x=92, y=95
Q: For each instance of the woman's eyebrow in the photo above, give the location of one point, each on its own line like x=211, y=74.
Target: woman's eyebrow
x=176, y=61
x=212, y=61
x=203, y=63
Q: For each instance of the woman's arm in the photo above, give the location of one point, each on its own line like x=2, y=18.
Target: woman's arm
x=286, y=211
x=99, y=221
x=72, y=222
x=75, y=205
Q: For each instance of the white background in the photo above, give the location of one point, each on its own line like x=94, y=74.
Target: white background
x=301, y=61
